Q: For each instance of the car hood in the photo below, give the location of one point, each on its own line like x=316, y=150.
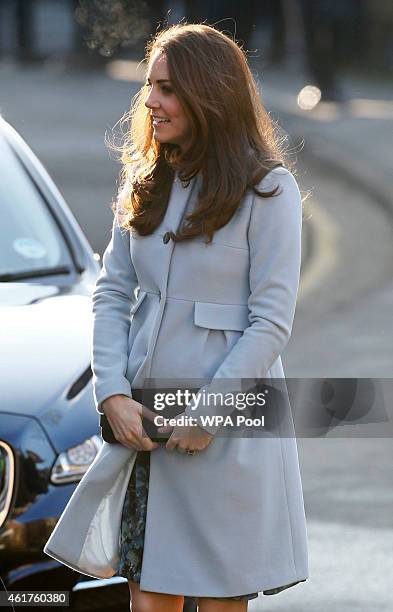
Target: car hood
x=45, y=344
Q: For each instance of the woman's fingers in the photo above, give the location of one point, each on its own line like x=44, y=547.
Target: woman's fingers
x=172, y=443
x=128, y=439
x=188, y=438
x=146, y=442
x=148, y=414
x=140, y=440
x=132, y=435
x=180, y=438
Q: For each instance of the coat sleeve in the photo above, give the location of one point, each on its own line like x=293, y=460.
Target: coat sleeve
x=274, y=238
x=112, y=298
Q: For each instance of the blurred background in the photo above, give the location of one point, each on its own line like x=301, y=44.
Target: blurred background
x=68, y=71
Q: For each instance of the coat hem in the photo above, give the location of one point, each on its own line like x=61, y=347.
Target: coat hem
x=250, y=589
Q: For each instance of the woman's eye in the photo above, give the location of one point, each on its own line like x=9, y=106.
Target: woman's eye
x=164, y=88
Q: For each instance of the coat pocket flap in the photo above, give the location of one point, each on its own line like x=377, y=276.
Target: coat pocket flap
x=139, y=300
x=221, y=316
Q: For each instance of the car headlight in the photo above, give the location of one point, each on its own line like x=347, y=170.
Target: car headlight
x=71, y=464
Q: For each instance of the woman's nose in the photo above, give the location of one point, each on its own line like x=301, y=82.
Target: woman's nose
x=151, y=101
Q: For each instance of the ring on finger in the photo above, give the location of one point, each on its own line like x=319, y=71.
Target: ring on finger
x=185, y=451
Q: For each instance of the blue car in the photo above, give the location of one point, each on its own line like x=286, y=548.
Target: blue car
x=49, y=427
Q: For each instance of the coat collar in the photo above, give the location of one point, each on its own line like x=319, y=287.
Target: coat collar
x=182, y=200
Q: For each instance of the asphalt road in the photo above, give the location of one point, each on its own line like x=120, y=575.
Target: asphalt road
x=342, y=326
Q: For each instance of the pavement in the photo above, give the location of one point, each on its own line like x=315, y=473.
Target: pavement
x=343, y=319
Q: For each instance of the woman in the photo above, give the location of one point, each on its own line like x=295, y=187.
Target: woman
x=224, y=518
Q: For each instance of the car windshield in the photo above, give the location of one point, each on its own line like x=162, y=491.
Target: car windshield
x=30, y=239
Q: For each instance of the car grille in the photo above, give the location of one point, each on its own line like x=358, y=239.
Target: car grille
x=7, y=476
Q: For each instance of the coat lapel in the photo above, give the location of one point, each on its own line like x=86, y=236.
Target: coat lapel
x=181, y=201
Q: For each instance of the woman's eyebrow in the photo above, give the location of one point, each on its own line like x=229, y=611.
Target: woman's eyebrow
x=159, y=80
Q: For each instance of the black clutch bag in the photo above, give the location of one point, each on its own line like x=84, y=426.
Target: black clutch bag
x=108, y=435
x=143, y=397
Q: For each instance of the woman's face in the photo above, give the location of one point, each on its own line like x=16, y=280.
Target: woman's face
x=169, y=121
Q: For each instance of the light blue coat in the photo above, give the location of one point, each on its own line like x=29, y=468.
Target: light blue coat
x=229, y=520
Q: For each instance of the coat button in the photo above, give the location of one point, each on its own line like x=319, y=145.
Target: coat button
x=166, y=238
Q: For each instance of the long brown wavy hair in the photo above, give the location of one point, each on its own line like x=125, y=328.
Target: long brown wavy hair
x=233, y=142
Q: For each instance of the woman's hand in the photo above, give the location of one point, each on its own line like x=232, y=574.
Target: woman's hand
x=186, y=437
x=125, y=418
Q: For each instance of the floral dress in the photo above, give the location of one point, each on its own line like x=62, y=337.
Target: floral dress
x=133, y=527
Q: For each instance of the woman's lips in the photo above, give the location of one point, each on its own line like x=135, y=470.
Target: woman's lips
x=159, y=123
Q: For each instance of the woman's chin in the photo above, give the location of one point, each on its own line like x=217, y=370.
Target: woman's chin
x=164, y=140
x=160, y=137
